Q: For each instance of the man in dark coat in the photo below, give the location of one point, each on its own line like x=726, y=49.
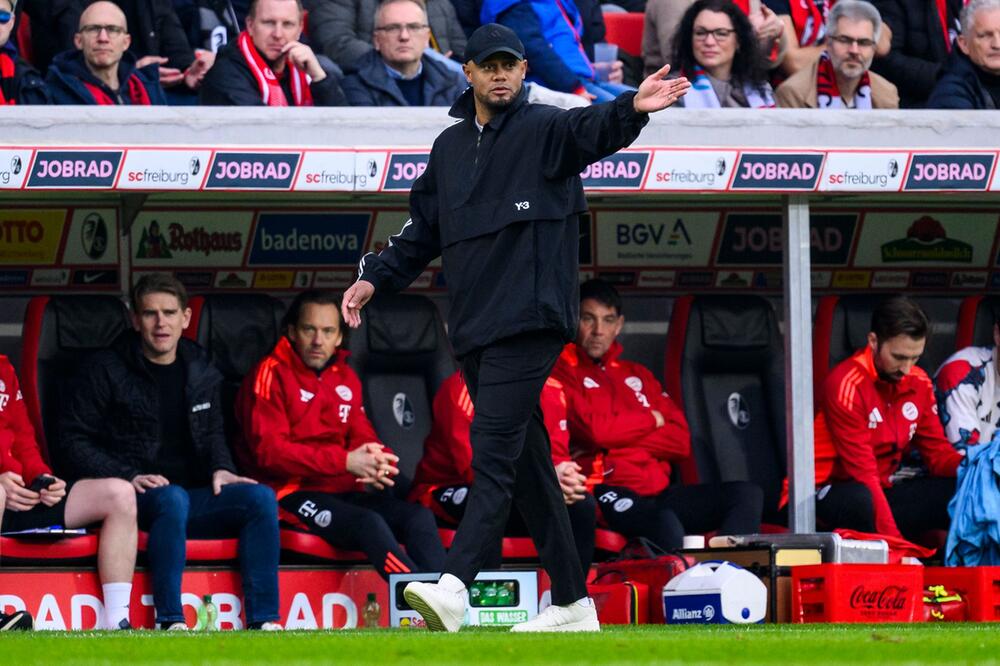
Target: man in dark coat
x=19, y=82
x=396, y=72
x=149, y=411
x=971, y=77
x=500, y=202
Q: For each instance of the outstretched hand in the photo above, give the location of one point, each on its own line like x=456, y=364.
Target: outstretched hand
x=656, y=94
x=354, y=299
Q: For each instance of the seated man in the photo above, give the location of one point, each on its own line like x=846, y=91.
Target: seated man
x=31, y=497
x=101, y=70
x=444, y=475
x=623, y=427
x=149, y=410
x=267, y=65
x=967, y=386
x=970, y=78
x=19, y=82
x=305, y=432
x=840, y=78
x=396, y=72
x=874, y=408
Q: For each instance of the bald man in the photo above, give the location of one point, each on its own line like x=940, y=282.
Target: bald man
x=101, y=70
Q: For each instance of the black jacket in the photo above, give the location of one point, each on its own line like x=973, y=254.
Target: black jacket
x=369, y=84
x=26, y=86
x=919, y=48
x=503, y=211
x=155, y=30
x=960, y=86
x=110, y=426
x=231, y=83
x=68, y=74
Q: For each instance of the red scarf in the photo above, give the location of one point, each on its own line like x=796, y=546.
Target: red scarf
x=828, y=94
x=137, y=94
x=270, y=87
x=7, y=67
x=942, y=10
x=809, y=20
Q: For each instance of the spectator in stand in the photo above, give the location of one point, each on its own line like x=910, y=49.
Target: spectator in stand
x=875, y=408
x=32, y=498
x=625, y=431
x=344, y=29
x=444, y=475
x=967, y=386
x=553, y=35
x=305, y=432
x=101, y=70
x=267, y=65
x=396, y=72
x=923, y=33
x=19, y=82
x=149, y=410
x=663, y=16
x=53, y=24
x=716, y=49
x=971, y=76
x=840, y=78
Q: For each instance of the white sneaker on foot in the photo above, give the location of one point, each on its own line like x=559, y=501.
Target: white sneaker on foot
x=578, y=616
x=441, y=604
x=271, y=626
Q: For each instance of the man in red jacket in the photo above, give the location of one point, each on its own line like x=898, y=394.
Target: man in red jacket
x=306, y=434
x=31, y=497
x=625, y=431
x=875, y=408
x=444, y=475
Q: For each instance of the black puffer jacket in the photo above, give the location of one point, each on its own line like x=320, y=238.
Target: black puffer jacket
x=110, y=428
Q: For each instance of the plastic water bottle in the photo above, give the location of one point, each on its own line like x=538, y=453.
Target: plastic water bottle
x=208, y=615
x=372, y=612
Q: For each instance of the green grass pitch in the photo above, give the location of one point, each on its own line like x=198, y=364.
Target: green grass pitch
x=770, y=644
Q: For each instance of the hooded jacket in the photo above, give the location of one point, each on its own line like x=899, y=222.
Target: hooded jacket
x=369, y=84
x=960, y=86
x=68, y=75
x=502, y=208
x=613, y=433
x=24, y=85
x=110, y=426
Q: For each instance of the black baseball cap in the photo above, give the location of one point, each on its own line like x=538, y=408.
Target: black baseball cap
x=491, y=39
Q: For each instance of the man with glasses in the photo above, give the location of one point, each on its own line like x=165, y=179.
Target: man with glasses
x=396, y=72
x=267, y=65
x=971, y=77
x=19, y=82
x=840, y=77
x=101, y=70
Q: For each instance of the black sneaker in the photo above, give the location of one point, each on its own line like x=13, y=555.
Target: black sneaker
x=16, y=621
x=125, y=625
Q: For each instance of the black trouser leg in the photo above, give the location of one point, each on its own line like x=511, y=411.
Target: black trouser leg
x=845, y=504
x=583, y=521
x=921, y=504
x=511, y=460
x=733, y=507
x=633, y=515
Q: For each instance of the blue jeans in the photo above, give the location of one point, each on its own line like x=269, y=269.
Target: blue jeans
x=605, y=91
x=172, y=514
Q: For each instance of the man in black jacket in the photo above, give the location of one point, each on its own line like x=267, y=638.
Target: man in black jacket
x=971, y=77
x=267, y=65
x=19, y=82
x=500, y=202
x=149, y=411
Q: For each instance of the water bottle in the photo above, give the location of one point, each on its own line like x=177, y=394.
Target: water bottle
x=208, y=615
x=372, y=612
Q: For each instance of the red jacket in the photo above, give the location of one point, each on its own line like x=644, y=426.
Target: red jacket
x=447, y=459
x=865, y=425
x=18, y=449
x=612, y=430
x=297, y=426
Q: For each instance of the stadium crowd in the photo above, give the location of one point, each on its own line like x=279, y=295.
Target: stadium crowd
x=141, y=444
x=850, y=54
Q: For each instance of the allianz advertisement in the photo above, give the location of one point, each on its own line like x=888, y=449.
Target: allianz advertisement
x=309, y=239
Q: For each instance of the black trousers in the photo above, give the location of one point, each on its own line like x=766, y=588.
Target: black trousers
x=918, y=505
x=374, y=523
x=511, y=460
x=733, y=507
x=582, y=520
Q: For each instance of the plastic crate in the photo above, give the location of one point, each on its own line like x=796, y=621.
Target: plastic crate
x=857, y=593
x=979, y=587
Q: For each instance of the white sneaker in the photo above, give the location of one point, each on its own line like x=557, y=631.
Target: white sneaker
x=271, y=626
x=441, y=604
x=176, y=626
x=578, y=616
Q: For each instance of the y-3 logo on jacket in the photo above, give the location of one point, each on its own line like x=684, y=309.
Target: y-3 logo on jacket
x=522, y=205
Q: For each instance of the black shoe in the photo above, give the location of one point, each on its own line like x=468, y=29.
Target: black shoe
x=125, y=625
x=16, y=621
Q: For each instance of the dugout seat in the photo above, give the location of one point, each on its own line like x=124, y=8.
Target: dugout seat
x=976, y=317
x=625, y=30
x=842, y=324
x=724, y=366
x=402, y=355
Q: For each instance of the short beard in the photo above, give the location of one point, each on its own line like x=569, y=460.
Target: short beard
x=496, y=107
